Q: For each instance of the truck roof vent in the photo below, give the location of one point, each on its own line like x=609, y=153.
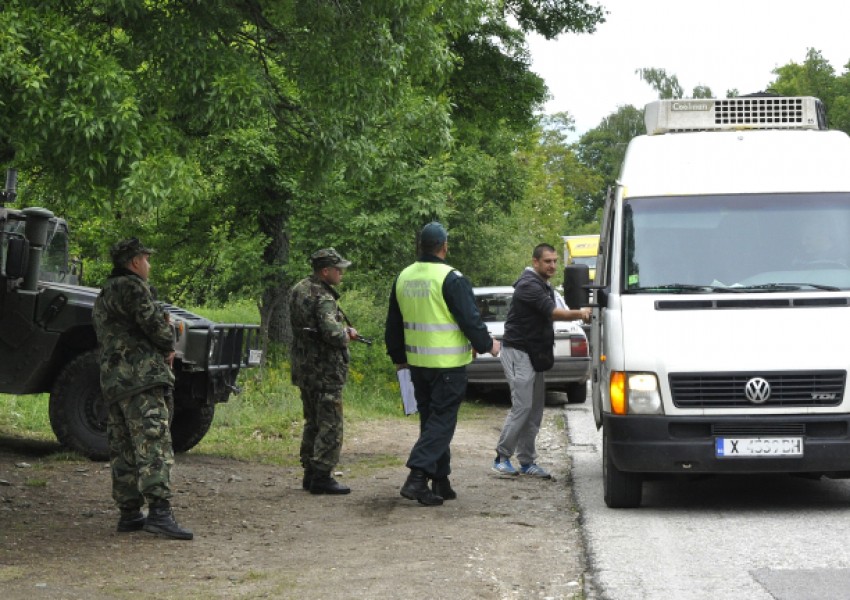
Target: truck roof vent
x=755, y=112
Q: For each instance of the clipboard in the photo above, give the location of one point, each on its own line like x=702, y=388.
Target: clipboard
x=408, y=398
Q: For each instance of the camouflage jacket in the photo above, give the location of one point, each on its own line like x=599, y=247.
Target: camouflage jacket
x=134, y=336
x=319, y=351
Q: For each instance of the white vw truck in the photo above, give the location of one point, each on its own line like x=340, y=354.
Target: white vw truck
x=721, y=332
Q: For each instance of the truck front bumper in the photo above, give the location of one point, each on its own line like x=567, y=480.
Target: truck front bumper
x=664, y=444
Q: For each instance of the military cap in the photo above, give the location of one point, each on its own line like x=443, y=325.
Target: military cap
x=328, y=257
x=126, y=250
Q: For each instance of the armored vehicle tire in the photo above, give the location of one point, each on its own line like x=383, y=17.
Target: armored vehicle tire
x=621, y=489
x=77, y=410
x=190, y=425
x=577, y=393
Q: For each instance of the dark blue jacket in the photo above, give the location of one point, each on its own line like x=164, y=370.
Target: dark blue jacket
x=530, y=316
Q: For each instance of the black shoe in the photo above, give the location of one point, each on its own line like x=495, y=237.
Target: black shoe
x=323, y=483
x=443, y=488
x=308, y=478
x=416, y=488
x=161, y=521
x=131, y=519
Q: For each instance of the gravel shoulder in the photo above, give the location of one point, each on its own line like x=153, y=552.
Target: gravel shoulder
x=259, y=535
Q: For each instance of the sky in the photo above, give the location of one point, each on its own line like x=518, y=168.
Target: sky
x=724, y=44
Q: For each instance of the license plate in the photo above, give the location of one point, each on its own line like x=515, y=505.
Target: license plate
x=254, y=357
x=767, y=447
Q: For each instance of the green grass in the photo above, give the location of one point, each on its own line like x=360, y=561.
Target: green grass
x=264, y=422
x=25, y=416
x=240, y=311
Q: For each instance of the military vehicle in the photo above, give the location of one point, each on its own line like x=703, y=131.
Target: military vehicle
x=48, y=344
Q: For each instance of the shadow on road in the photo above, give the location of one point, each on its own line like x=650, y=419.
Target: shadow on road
x=745, y=493
x=28, y=447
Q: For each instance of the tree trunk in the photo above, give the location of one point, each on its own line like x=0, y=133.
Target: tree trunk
x=274, y=307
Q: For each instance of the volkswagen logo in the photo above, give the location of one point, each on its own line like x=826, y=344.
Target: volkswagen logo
x=757, y=390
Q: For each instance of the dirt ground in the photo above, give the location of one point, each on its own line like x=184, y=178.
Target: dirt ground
x=259, y=535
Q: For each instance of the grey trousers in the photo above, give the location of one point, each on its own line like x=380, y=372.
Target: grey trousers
x=528, y=395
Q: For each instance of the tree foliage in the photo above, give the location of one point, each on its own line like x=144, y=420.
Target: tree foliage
x=816, y=77
x=602, y=150
x=668, y=86
x=237, y=137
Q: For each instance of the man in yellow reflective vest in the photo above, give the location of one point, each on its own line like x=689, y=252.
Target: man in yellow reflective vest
x=432, y=328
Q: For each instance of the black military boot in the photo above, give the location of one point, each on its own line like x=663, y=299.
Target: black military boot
x=308, y=478
x=131, y=519
x=323, y=483
x=161, y=520
x=416, y=488
x=443, y=488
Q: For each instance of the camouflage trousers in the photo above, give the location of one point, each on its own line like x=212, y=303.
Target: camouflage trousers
x=140, y=449
x=321, y=442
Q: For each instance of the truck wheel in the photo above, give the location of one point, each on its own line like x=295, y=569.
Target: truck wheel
x=190, y=425
x=77, y=410
x=577, y=393
x=621, y=490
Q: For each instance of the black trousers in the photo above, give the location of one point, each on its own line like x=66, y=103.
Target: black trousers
x=439, y=393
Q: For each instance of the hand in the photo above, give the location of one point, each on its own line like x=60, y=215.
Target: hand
x=586, y=314
x=352, y=333
x=170, y=359
x=401, y=366
x=497, y=347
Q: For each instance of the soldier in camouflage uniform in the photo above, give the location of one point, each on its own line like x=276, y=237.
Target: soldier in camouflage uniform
x=136, y=352
x=319, y=359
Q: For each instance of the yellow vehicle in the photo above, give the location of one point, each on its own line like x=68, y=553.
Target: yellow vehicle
x=581, y=250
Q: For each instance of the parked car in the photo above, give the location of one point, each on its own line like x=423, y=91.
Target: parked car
x=572, y=360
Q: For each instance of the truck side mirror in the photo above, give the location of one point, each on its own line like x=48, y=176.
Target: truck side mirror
x=76, y=272
x=16, y=258
x=576, y=277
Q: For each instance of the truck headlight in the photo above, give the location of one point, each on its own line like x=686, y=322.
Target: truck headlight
x=635, y=394
x=643, y=395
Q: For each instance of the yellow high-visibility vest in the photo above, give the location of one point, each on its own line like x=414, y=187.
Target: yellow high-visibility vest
x=432, y=337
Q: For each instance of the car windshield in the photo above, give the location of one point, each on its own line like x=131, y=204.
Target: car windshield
x=493, y=306
x=760, y=243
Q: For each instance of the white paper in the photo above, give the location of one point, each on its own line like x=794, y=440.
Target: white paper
x=408, y=399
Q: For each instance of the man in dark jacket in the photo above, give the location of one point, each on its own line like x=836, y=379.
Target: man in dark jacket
x=319, y=358
x=136, y=353
x=432, y=327
x=527, y=352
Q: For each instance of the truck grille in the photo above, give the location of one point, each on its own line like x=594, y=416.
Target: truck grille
x=230, y=346
x=726, y=390
x=749, y=111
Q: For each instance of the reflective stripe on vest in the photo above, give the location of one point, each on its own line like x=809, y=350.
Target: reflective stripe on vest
x=432, y=337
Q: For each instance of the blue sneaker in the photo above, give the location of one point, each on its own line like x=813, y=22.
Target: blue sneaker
x=534, y=470
x=504, y=467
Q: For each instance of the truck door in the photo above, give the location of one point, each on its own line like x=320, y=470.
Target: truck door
x=601, y=286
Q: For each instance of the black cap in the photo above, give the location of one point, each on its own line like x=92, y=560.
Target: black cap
x=433, y=234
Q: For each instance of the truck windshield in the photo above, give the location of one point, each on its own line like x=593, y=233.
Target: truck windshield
x=756, y=242
x=54, y=262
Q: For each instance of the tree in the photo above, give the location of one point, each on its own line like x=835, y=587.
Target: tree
x=603, y=148
x=238, y=137
x=668, y=86
x=816, y=77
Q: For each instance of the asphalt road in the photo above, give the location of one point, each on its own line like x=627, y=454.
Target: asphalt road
x=717, y=538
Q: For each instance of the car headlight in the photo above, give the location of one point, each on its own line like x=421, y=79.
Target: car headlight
x=635, y=394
